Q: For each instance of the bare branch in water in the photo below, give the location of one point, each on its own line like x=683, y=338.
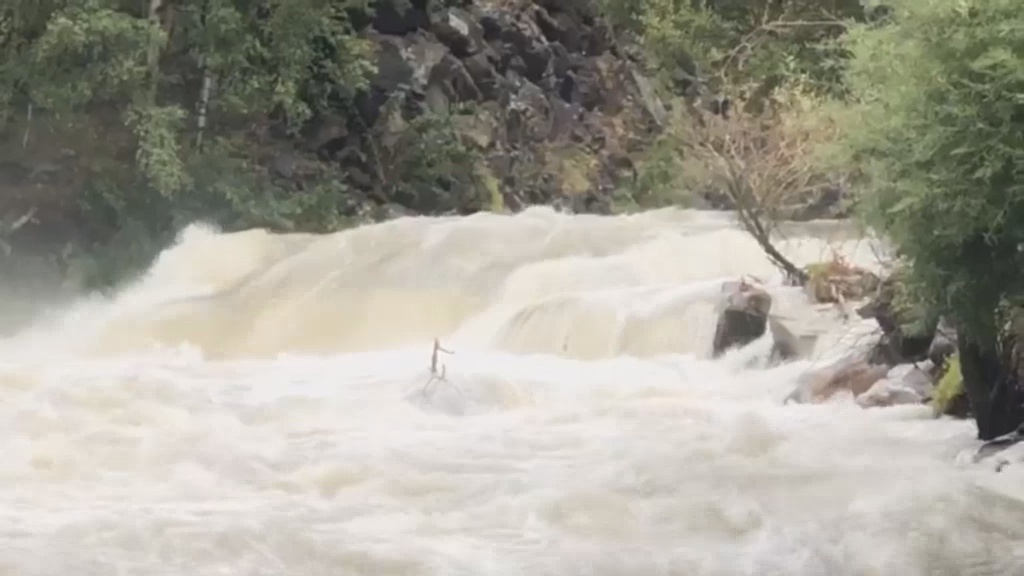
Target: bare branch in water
x=435, y=374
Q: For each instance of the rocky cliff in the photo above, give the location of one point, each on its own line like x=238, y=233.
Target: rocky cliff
x=549, y=106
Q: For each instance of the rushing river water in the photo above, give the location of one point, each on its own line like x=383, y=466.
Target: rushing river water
x=256, y=405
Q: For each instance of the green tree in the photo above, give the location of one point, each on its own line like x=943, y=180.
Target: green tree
x=179, y=94
x=937, y=127
x=752, y=46
x=758, y=56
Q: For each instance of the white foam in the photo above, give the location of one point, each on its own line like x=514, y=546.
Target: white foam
x=255, y=404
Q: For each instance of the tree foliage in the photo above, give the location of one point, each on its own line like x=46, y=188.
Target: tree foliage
x=740, y=45
x=764, y=164
x=172, y=111
x=766, y=65
x=937, y=126
x=151, y=79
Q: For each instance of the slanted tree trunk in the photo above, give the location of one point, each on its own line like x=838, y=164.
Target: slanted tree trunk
x=992, y=388
x=754, y=226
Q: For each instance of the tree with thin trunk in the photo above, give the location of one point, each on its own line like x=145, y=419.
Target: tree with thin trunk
x=764, y=165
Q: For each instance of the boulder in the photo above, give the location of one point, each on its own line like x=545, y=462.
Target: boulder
x=742, y=316
x=904, y=384
x=886, y=393
x=872, y=385
x=786, y=345
x=462, y=34
x=919, y=377
x=907, y=334
x=853, y=374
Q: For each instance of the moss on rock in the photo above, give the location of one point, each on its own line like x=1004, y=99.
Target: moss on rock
x=950, y=388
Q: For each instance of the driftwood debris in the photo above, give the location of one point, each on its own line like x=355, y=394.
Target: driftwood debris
x=437, y=375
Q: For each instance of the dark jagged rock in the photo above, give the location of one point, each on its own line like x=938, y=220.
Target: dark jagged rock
x=999, y=444
x=905, y=337
x=553, y=104
x=394, y=68
x=742, y=317
x=399, y=17
x=480, y=68
x=455, y=81
x=462, y=34
x=909, y=337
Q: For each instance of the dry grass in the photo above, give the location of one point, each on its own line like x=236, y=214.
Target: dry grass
x=837, y=281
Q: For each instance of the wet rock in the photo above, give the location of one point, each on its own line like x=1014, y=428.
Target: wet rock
x=999, y=444
x=918, y=377
x=885, y=394
x=787, y=346
x=904, y=384
x=853, y=375
x=906, y=334
x=742, y=316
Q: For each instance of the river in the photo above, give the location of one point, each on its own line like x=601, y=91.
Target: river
x=258, y=405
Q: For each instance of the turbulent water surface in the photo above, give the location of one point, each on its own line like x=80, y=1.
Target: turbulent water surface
x=256, y=405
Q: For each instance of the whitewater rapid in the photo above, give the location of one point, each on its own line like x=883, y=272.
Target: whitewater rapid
x=255, y=405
